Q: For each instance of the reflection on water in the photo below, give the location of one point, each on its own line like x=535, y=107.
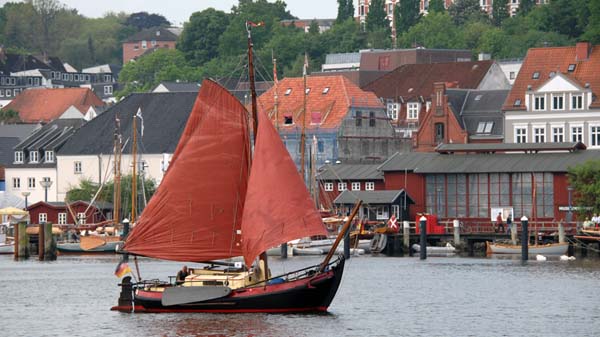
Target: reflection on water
x=379, y=296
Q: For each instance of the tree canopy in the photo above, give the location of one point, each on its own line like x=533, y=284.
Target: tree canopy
x=585, y=180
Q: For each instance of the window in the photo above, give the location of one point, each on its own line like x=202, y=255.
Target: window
x=369, y=186
x=325, y=90
x=136, y=47
x=19, y=157
x=65, y=77
x=485, y=127
x=478, y=97
x=8, y=93
x=595, y=135
x=315, y=118
x=153, y=43
x=558, y=134
x=328, y=187
x=108, y=89
x=31, y=182
x=288, y=91
x=77, y=166
x=413, y=111
x=539, y=134
x=356, y=186
x=307, y=91
x=576, y=102
x=144, y=44
x=571, y=68
x=511, y=75
x=372, y=120
x=577, y=133
x=62, y=218
x=362, y=10
x=1, y=93
x=439, y=132
x=320, y=146
x=539, y=103
x=520, y=134
x=107, y=78
x=342, y=187
x=49, y=156
x=76, y=77
x=359, y=118
x=558, y=102
x=535, y=75
x=16, y=183
x=34, y=156
x=81, y=218
x=392, y=110
x=382, y=213
x=43, y=217
x=288, y=120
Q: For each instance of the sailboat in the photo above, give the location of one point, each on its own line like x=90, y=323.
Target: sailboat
x=218, y=201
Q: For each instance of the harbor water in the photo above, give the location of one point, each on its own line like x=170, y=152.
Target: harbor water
x=379, y=296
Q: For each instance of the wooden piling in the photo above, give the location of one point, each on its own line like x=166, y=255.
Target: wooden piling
x=406, y=235
x=456, y=226
x=423, y=237
x=284, y=252
x=41, y=241
x=513, y=233
x=49, y=243
x=23, y=241
x=125, y=257
x=524, y=239
x=561, y=232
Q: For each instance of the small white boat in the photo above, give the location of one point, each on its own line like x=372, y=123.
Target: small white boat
x=433, y=250
x=7, y=245
x=547, y=249
x=308, y=251
x=378, y=243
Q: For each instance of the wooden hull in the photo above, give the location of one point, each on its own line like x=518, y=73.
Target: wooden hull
x=312, y=292
x=75, y=248
x=549, y=249
x=8, y=248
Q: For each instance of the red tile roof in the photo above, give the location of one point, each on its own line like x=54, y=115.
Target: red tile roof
x=555, y=59
x=332, y=104
x=35, y=105
x=413, y=80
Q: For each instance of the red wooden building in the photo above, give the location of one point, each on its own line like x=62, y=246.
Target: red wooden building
x=57, y=212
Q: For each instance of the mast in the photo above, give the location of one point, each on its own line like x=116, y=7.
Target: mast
x=133, y=174
x=276, y=97
x=303, y=134
x=263, y=255
x=117, y=172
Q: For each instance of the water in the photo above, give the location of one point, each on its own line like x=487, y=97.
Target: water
x=379, y=296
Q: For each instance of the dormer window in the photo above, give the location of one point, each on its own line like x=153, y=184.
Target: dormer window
x=539, y=103
x=49, y=157
x=558, y=102
x=288, y=120
x=325, y=90
x=535, y=75
x=571, y=68
x=288, y=91
x=478, y=97
x=485, y=127
x=34, y=156
x=517, y=102
x=307, y=91
x=19, y=157
x=576, y=102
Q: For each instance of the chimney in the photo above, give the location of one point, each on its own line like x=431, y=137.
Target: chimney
x=583, y=51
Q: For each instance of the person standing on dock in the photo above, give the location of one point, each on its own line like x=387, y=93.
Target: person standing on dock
x=499, y=223
x=508, y=225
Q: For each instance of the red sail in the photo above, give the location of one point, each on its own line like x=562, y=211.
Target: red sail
x=278, y=207
x=196, y=212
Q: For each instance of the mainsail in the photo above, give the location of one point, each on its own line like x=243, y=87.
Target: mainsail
x=196, y=212
x=206, y=208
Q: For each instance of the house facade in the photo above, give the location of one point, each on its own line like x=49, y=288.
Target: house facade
x=149, y=39
x=58, y=213
x=408, y=91
x=554, y=99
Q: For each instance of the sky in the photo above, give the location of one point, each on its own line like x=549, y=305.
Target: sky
x=179, y=11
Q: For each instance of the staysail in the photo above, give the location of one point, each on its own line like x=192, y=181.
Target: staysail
x=278, y=207
x=196, y=213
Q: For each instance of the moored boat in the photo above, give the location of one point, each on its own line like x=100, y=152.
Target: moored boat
x=545, y=249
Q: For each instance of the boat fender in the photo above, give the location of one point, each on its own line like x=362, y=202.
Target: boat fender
x=278, y=280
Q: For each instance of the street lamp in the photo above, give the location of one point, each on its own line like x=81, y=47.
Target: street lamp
x=25, y=194
x=570, y=213
x=46, y=183
x=439, y=203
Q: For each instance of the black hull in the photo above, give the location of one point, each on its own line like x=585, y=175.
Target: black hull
x=311, y=293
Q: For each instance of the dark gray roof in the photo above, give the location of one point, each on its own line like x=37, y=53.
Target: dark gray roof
x=349, y=171
x=372, y=197
x=6, y=149
x=154, y=33
x=431, y=163
x=510, y=147
x=179, y=86
x=51, y=136
x=472, y=107
x=20, y=131
x=164, y=114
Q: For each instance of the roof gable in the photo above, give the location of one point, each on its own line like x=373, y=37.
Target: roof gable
x=559, y=82
x=71, y=112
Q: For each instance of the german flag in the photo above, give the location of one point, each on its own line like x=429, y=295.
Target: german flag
x=122, y=269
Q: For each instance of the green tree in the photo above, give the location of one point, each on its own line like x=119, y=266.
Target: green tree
x=9, y=116
x=567, y=17
x=592, y=30
x=342, y=14
x=525, y=6
x=377, y=17
x=406, y=15
x=462, y=11
x=585, y=180
x=149, y=70
x=499, y=12
x=199, y=40
x=436, y=6
x=435, y=30
x=344, y=37
x=143, y=20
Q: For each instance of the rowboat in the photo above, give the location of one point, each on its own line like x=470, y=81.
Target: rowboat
x=546, y=249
